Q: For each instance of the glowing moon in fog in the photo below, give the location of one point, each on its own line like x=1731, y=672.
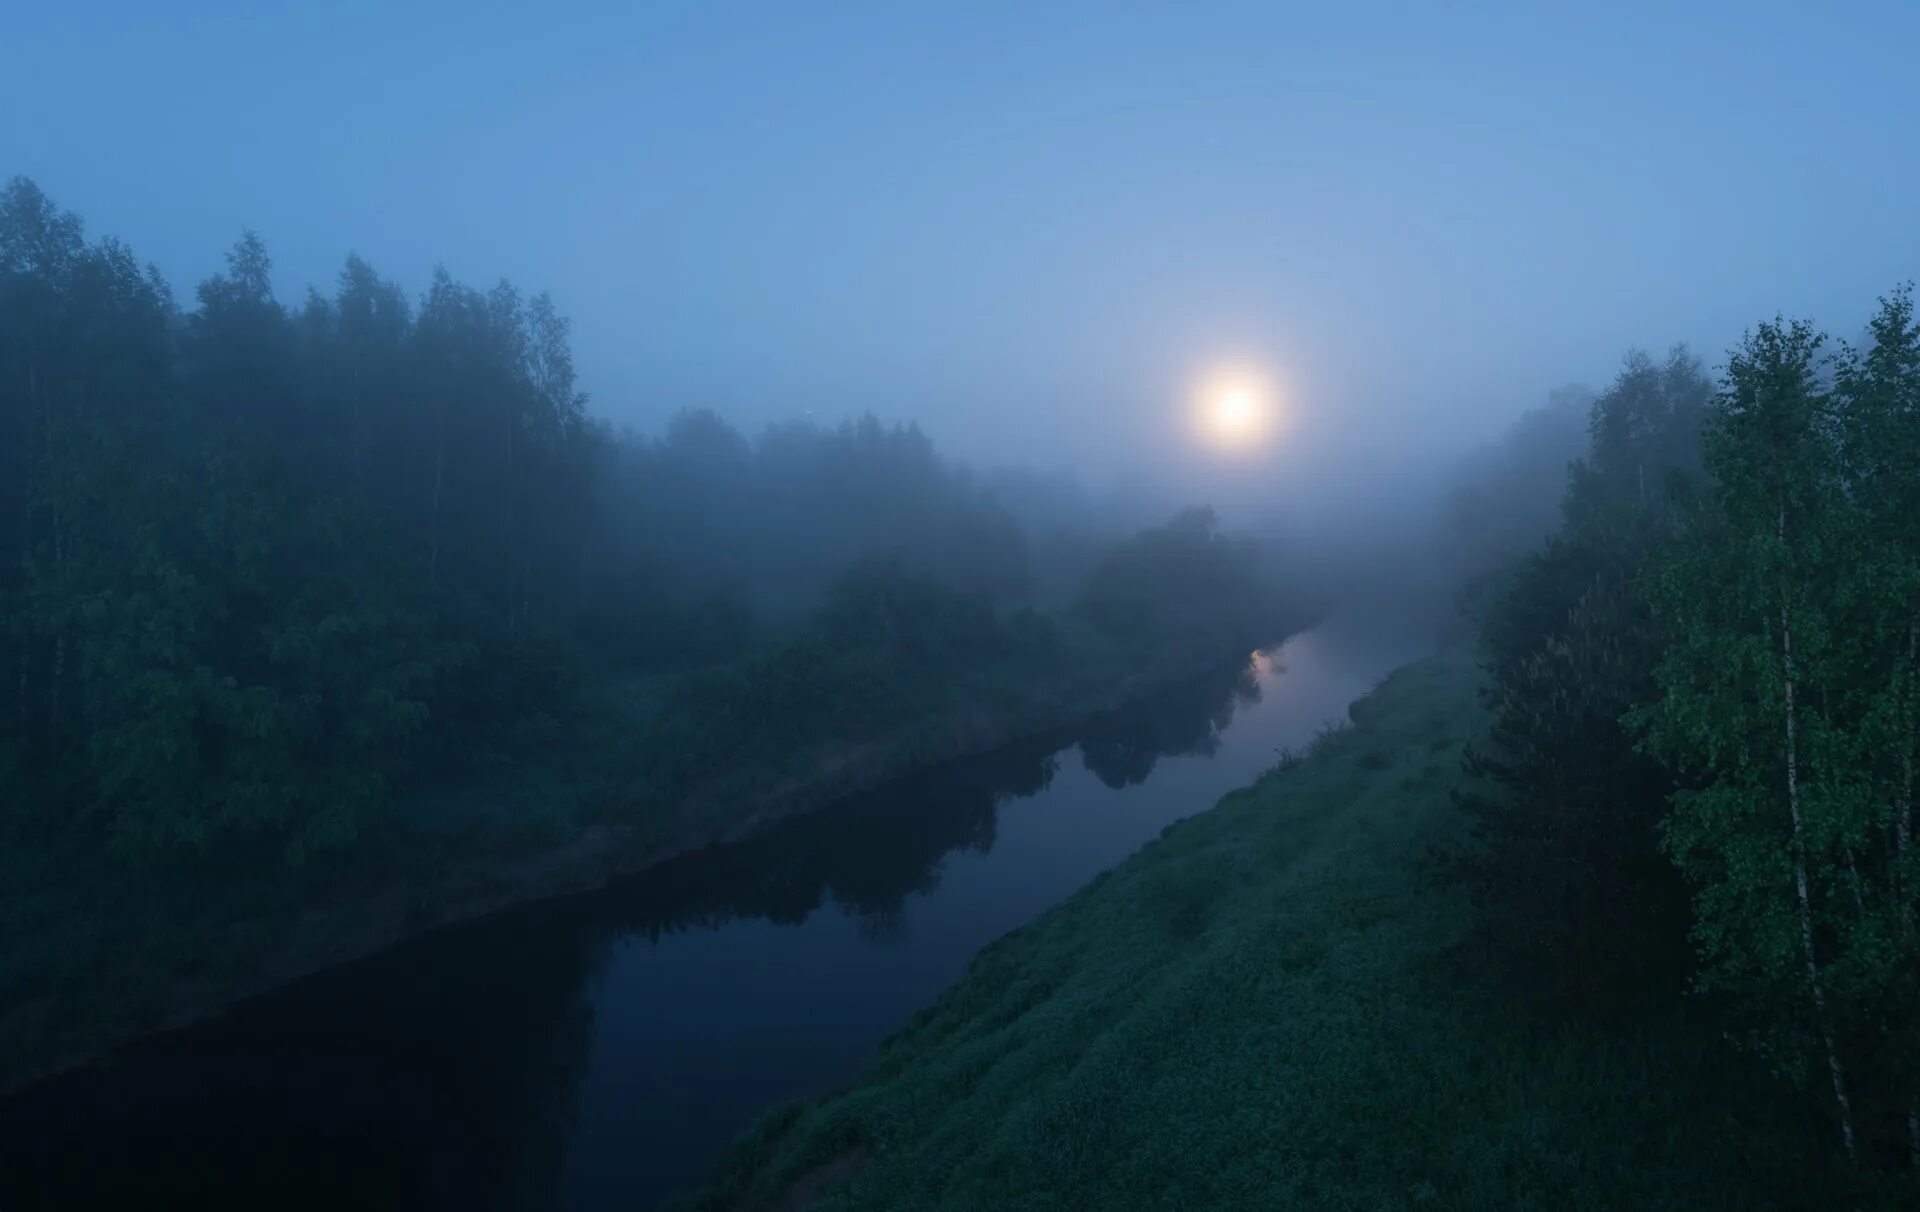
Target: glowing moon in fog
x=1234, y=409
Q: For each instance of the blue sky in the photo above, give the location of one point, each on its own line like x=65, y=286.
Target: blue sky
x=1027, y=226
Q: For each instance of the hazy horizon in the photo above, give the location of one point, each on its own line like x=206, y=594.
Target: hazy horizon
x=1416, y=225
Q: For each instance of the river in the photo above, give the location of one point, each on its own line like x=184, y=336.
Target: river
x=599, y=1051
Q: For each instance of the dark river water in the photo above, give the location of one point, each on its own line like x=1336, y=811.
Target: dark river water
x=600, y=1051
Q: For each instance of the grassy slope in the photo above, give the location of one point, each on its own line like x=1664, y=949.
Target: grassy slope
x=1276, y=1005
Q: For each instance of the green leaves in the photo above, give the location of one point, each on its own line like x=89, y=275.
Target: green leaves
x=1786, y=696
x=1757, y=639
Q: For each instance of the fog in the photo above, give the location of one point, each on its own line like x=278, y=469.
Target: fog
x=835, y=479
x=1029, y=237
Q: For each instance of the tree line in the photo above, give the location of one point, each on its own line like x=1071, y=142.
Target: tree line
x=265, y=565
x=1706, y=715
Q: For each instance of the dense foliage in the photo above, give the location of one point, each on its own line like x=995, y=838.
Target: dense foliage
x=887, y=645
x=1718, y=672
x=264, y=565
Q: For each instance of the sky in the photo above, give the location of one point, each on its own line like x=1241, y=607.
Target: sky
x=1031, y=228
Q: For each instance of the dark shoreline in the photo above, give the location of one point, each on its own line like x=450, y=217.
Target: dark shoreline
x=345, y=930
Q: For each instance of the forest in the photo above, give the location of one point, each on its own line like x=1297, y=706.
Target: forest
x=1698, y=780
x=308, y=602
x=299, y=600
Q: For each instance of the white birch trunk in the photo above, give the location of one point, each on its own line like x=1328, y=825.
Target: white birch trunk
x=1799, y=844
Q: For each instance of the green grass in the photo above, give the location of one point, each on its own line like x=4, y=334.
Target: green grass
x=1278, y=1005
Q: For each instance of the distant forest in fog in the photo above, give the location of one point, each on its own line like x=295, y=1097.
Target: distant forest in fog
x=266, y=562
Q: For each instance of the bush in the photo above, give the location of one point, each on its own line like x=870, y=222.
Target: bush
x=1174, y=580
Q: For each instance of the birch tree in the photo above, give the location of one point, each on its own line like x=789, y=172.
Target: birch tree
x=1752, y=711
x=1878, y=389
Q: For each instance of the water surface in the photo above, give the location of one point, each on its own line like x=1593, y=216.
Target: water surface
x=599, y=1051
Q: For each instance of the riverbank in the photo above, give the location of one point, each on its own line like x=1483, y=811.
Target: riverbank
x=1282, y=1003
x=138, y=959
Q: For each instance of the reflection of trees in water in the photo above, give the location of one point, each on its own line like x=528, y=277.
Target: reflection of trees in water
x=445, y=1073
x=872, y=852
x=868, y=854
x=1122, y=749
x=883, y=927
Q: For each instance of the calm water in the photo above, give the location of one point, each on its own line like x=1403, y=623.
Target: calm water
x=598, y=1052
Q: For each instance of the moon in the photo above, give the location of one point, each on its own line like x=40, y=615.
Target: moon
x=1234, y=408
